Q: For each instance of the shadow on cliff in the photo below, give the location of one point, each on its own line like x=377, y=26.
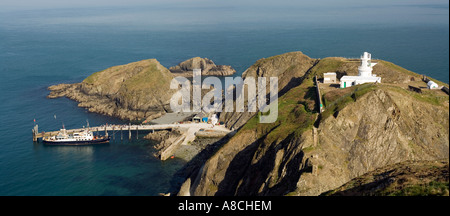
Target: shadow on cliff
x=293, y=82
x=191, y=168
x=368, y=189
x=244, y=178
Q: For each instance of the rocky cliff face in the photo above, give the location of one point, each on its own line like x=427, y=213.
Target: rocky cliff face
x=380, y=128
x=208, y=68
x=304, y=153
x=133, y=91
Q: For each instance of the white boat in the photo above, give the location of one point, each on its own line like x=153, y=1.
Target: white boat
x=85, y=137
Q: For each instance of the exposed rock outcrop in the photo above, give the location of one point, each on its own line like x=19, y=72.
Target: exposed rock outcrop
x=208, y=68
x=164, y=138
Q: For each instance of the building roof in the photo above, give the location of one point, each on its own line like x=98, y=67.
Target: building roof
x=430, y=83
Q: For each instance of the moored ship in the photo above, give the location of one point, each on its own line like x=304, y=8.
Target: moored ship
x=85, y=137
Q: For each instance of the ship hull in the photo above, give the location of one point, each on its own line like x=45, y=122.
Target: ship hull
x=77, y=143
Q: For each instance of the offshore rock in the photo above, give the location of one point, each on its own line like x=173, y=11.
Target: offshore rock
x=206, y=65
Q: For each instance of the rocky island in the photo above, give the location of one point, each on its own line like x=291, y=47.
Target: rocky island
x=365, y=128
x=208, y=67
x=135, y=91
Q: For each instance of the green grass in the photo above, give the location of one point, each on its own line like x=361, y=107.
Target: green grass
x=427, y=96
x=308, y=149
x=93, y=77
x=326, y=65
x=332, y=108
x=252, y=123
x=213, y=188
x=294, y=115
x=431, y=189
x=398, y=68
x=395, y=67
x=142, y=80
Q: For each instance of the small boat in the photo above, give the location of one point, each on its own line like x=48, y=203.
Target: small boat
x=85, y=137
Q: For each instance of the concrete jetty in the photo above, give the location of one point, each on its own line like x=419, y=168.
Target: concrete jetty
x=188, y=130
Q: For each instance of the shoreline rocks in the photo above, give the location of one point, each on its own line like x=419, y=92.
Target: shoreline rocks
x=166, y=138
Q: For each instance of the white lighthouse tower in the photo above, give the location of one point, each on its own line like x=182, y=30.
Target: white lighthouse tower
x=364, y=73
x=365, y=70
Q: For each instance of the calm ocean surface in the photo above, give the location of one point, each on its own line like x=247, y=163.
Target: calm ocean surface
x=39, y=48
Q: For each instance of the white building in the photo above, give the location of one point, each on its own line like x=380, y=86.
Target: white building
x=329, y=77
x=214, y=119
x=432, y=85
x=364, y=73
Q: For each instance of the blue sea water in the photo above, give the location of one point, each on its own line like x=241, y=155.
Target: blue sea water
x=39, y=48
